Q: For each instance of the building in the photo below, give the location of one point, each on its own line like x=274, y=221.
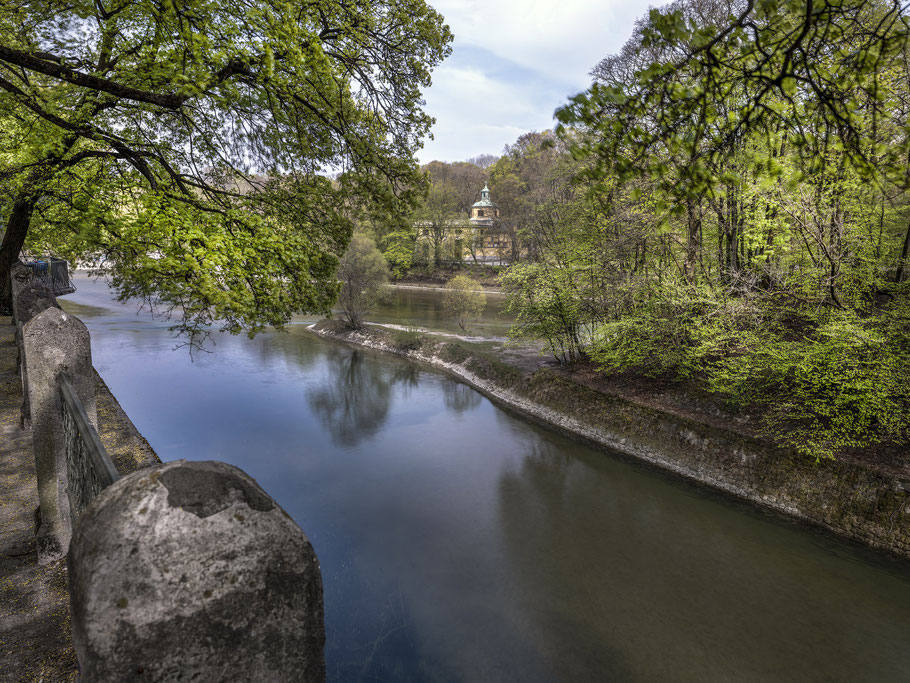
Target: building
x=481, y=238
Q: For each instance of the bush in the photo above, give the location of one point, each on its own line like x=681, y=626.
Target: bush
x=407, y=340
x=463, y=300
x=548, y=305
x=824, y=380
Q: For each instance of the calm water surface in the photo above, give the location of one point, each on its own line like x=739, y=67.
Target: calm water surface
x=460, y=543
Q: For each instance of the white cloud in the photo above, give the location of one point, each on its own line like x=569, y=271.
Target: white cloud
x=478, y=113
x=513, y=64
x=562, y=39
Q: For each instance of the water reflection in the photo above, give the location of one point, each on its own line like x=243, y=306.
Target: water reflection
x=354, y=401
x=459, y=397
x=647, y=584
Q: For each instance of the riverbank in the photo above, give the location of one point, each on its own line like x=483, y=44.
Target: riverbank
x=864, y=501
x=437, y=277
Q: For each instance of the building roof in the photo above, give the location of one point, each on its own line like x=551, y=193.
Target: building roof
x=485, y=200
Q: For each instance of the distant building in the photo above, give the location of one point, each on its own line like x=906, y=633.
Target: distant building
x=478, y=239
x=485, y=209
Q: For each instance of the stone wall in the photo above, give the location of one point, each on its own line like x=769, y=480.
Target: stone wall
x=190, y=571
x=183, y=571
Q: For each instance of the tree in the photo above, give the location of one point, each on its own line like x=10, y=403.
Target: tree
x=436, y=214
x=745, y=174
x=453, y=188
x=187, y=143
x=525, y=177
x=463, y=300
x=363, y=273
x=483, y=161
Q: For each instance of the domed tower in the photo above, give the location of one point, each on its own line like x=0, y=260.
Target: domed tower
x=485, y=209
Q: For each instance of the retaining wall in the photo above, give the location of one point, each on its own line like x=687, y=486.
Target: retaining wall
x=854, y=501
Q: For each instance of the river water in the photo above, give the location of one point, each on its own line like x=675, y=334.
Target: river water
x=459, y=542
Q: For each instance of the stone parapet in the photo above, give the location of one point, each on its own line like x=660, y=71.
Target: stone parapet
x=190, y=571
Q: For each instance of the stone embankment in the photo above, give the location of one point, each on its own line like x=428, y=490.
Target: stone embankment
x=853, y=499
x=177, y=571
x=35, y=640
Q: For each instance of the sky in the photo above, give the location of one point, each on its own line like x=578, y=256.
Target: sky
x=513, y=63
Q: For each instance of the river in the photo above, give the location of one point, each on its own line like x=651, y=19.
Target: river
x=459, y=542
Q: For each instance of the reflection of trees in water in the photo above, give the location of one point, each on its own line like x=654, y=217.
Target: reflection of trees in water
x=354, y=402
x=406, y=375
x=538, y=489
x=295, y=345
x=459, y=397
x=553, y=553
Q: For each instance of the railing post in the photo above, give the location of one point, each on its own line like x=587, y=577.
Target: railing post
x=190, y=571
x=53, y=343
x=29, y=299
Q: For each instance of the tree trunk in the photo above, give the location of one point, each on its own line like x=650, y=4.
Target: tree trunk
x=693, y=230
x=16, y=230
x=900, y=266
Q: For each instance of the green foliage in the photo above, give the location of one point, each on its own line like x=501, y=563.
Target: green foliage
x=844, y=386
x=407, y=340
x=398, y=249
x=728, y=205
x=463, y=300
x=822, y=380
x=548, y=306
x=188, y=143
x=363, y=273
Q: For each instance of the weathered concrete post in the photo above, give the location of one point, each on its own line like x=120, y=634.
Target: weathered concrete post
x=28, y=299
x=190, y=571
x=54, y=342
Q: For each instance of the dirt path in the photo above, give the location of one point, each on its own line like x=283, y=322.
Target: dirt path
x=34, y=603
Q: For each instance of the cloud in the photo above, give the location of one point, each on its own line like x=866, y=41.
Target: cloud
x=513, y=64
x=562, y=39
x=481, y=103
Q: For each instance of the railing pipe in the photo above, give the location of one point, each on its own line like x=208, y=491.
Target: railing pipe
x=88, y=467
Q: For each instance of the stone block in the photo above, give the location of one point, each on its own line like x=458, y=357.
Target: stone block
x=53, y=343
x=29, y=298
x=190, y=571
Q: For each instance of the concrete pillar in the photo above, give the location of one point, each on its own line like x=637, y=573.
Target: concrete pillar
x=20, y=278
x=29, y=299
x=190, y=571
x=54, y=342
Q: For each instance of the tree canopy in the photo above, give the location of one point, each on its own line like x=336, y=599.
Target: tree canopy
x=189, y=144
x=727, y=206
x=701, y=76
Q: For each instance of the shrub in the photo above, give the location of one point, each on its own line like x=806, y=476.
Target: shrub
x=407, y=340
x=825, y=380
x=463, y=300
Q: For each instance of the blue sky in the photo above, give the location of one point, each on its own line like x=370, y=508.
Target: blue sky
x=513, y=63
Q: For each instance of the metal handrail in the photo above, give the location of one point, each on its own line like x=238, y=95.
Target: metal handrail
x=53, y=273
x=88, y=467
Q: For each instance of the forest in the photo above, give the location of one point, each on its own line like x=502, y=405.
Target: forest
x=727, y=207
